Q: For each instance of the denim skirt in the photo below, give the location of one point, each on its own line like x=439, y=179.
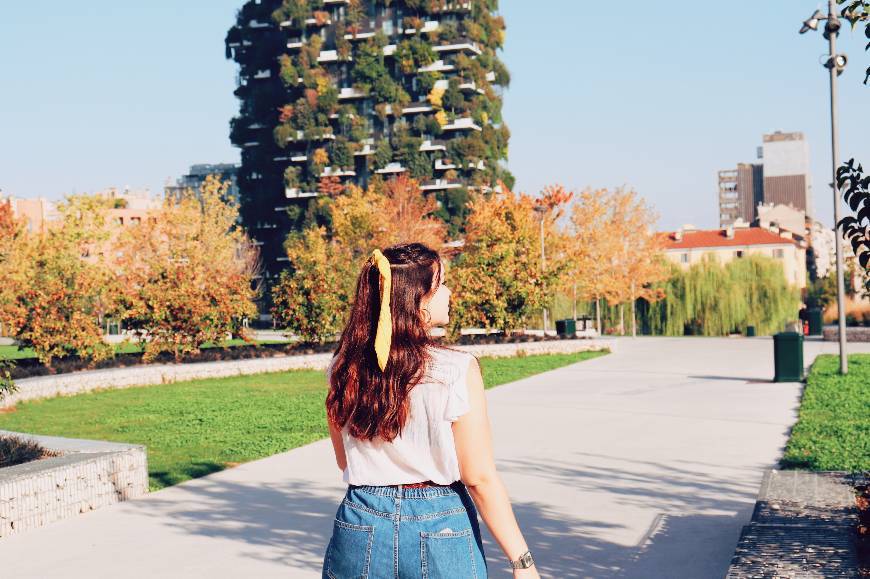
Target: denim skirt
x=393, y=532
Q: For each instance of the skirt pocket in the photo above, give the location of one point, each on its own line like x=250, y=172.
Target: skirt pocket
x=447, y=555
x=349, y=551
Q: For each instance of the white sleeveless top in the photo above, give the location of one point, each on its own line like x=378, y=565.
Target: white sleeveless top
x=424, y=450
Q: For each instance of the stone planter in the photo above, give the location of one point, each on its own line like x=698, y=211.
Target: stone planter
x=88, y=475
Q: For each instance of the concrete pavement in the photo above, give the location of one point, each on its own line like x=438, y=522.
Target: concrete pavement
x=641, y=464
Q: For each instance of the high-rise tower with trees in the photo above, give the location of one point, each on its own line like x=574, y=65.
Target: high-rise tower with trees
x=337, y=90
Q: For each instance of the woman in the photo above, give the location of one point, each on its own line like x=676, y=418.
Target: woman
x=411, y=435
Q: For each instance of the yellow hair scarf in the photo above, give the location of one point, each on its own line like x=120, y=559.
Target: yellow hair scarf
x=384, y=333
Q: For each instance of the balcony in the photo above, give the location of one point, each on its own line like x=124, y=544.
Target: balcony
x=318, y=21
x=350, y=93
x=263, y=74
x=363, y=36
x=464, y=46
x=296, y=193
x=471, y=86
x=440, y=185
x=366, y=150
x=433, y=146
x=460, y=124
x=490, y=76
x=437, y=66
x=392, y=168
x=412, y=108
x=299, y=158
x=428, y=26
x=335, y=2
x=440, y=165
x=295, y=44
x=257, y=24
x=337, y=172
x=250, y=144
x=328, y=56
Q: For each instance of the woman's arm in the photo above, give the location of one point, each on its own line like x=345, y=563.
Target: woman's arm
x=473, y=439
x=337, y=445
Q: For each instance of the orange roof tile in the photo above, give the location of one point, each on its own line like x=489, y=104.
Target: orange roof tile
x=717, y=238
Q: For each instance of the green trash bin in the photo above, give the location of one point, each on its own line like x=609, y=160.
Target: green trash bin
x=788, y=357
x=814, y=320
x=750, y=331
x=567, y=327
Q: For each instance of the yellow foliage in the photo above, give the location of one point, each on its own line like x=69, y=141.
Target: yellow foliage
x=435, y=97
x=320, y=156
x=441, y=117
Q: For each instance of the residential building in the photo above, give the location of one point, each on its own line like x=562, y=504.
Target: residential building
x=782, y=178
x=355, y=90
x=740, y=191
x=197, y=174
x=688, y=246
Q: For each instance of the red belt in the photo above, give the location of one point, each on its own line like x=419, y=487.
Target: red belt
x=427, y=483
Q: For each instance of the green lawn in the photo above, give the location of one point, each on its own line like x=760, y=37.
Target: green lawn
x=195, y=428
x=833, y=428
x=14, y=353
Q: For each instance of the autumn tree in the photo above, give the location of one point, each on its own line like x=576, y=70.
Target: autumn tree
x=11, y=262
x=497, y=279
x=187, y=273
x=558, y=251
x=638, y=261
x=59, y=287
x=313, y=295
x=619, y=256
x=593, y=244
x=407, y=215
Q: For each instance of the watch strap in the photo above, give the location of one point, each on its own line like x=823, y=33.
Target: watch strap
x=524, y=561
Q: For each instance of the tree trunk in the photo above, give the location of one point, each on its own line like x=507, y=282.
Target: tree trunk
x=621, y=320
x=633, y=316
x=575, y=301
x=598, y=315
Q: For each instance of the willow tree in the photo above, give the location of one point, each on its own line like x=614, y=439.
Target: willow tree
x=710, y=299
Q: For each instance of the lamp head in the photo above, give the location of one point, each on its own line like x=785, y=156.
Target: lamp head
x=812, y=23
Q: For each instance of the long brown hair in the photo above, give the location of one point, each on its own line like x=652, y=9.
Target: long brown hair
x=371, y=402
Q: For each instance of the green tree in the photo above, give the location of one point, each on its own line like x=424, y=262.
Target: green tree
x=312, y=296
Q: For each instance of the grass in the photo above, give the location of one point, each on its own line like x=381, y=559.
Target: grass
x=14, y=353
x=833, y=427
x=195, y=428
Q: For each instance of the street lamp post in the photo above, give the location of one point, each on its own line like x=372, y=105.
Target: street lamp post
x=543, y=211
x=835, y=65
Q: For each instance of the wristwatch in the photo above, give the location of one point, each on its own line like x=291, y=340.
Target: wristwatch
x=524, y=561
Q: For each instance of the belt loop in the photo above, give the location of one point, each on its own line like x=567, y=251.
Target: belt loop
x=399, y=486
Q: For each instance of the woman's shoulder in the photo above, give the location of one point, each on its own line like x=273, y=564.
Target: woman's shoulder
x=450, y=354
x=451, y=360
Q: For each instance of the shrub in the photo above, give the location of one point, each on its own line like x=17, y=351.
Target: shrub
x=7, y=384
x=16, y=450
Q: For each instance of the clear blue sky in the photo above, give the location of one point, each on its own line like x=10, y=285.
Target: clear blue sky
x=655, y=95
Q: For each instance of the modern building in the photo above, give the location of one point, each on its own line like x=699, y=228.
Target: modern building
x=786, y=159
x=195, y=177
x=355, y=90
x=688, y=246
x=782, y=178
x=740, y=191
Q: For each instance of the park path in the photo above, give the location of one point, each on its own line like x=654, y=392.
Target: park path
x=641, y=464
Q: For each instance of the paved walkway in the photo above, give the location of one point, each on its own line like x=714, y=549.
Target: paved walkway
x=641, y=464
